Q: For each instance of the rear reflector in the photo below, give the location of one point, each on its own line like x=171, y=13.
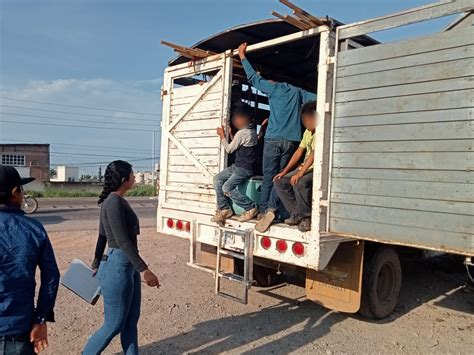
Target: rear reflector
x=281, y=246
x=188, y=226
x=298, y=249
x=170, y=223
x=266, y=242
x=180, y=225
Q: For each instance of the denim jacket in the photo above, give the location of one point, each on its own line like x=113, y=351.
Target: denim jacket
x=24, y=245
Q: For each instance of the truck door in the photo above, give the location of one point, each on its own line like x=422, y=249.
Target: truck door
x=402, y=156
x=190, y=149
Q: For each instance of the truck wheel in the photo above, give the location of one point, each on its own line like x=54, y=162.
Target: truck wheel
x=381, y=283
x=264, y=276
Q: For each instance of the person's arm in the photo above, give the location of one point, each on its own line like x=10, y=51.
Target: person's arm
x=295, y=159
x=307, y=164
x=49, y=283
x=234, y=144
x=255, y=79
x=100, y=246
x=307, y=96
x=115, y=213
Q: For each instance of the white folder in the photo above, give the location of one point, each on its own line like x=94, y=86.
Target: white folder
x=80, y=280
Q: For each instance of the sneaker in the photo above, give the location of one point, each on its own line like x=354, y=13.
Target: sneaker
x=265, y=223
x=248, y=215
x=293, y=220
x=305, y=224
x=222, y=215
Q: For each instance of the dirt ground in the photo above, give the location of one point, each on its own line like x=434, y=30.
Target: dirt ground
x=184, y=315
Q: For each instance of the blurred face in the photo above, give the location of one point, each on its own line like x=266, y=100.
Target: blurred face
x=309, y=121
x=17, y=197
x=128, y=184
x=240, y=121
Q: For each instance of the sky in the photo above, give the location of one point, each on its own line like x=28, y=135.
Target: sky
x=97, y=66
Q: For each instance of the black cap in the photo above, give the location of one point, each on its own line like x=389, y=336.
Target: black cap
x=10, y=178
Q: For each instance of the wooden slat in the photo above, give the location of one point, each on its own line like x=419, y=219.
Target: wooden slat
x=201, y=106
x=434, y=86
x=202, y=205
x=441, y=55
x=395, y=176
x=202, y=115
x=423, y=13
x=216, y=96
x=185, y=91
x=194, y=125
x=437, y=71
x=409, y=189
x=407, y=218
x=189, y=178
x=406, y=48
x=201, y=142
x=418, y=131
x=187, y=196
x=450, y=145
x=463, y=208
x=200, y=152
x=419, y=161
x=196, y=134
x=417, y=237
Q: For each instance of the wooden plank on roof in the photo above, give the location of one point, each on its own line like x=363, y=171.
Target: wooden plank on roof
x=422, y=13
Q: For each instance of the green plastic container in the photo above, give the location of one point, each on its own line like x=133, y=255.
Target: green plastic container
x=251, y=188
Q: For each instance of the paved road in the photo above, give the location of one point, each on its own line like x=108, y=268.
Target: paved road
x=72, y=214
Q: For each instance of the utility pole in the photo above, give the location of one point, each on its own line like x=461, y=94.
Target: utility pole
x=153, y=160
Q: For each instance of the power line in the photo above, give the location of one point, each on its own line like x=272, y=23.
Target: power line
x=76, y=106
x=80, y=113
x=101, y=162
x=75, y=119
x=86, y=146
x=77, y=126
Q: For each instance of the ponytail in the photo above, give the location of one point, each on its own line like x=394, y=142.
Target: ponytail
x=116, y=173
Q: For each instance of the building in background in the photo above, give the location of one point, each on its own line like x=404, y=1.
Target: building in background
x=66, y=174
x=31, y=160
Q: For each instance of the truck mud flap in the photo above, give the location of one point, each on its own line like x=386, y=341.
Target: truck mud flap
x=339, y=286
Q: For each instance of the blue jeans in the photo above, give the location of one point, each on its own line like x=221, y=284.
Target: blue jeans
x=121, y=288
x=16, y=346
x=226, y=185
x=276, y=155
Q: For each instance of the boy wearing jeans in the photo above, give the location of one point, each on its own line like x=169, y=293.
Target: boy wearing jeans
x=294, y=186
x=226, y=183
x=284, y=126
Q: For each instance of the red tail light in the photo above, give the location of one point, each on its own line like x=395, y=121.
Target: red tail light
x=188, y=226
x=266, y=242
x=281, y=246
x=298, y=249
x=180, y=225
x=170, y=223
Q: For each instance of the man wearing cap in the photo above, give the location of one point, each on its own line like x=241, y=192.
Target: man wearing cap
x=24, y=245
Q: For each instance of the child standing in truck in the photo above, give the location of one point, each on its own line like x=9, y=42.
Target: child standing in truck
x=294, y=184
x=226, y=183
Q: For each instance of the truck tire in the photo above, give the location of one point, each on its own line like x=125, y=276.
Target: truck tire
x=265, y=277
x=381, y=283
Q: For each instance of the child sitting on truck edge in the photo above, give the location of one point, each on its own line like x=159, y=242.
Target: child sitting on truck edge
x=226, y=183
x=294, y=186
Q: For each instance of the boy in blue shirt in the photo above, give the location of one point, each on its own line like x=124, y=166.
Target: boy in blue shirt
x=284, y=126
x=24, y=246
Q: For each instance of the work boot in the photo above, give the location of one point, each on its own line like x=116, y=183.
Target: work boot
x=260, y=216
x=248, y=215
x=265, y=223
x=221, y=216
x=305, y=224
x=293, y=220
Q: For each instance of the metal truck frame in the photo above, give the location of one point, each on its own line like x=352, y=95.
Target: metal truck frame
x=393, y=158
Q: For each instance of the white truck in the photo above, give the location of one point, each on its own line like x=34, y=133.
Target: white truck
x=394, y=159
